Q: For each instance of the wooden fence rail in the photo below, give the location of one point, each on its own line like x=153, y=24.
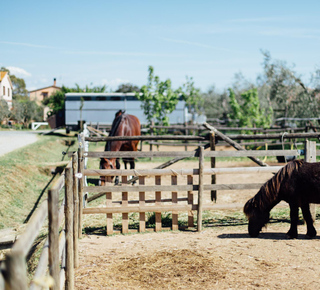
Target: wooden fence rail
x=176, y=203
x=57, y=258
x=189, y=154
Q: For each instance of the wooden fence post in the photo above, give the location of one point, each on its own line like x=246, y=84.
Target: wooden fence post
x=158, y=202
x=76, y=209
x=80, y=188
x=109, y=215
x=142, y=198
x=151, y=133
x=186, y=131
x=311, y=156
x=16, y=271
x=213, y=165
x=53, y=209
x=69, y=229
x=125, y=216
x=200, y=192
x=175, y=225
x=190, y=202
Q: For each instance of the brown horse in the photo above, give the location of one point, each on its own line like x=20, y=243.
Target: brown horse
x=122, y=125
x=297, y=183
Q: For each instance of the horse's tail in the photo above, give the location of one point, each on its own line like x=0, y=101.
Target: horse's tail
x=268, y=193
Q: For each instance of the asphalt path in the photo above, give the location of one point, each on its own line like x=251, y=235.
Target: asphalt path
x=12, y=140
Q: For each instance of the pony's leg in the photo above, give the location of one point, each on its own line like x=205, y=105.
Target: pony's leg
x=311, y=231
x=116, y=181
x=294, y=216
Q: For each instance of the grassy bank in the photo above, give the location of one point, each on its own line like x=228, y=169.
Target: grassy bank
x=24, y=175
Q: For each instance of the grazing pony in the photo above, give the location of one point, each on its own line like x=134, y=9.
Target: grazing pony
x=297, y=183
x=122, y=125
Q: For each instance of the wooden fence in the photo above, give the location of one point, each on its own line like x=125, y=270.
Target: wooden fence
x=59, y=254
x=191, y=202
x=279, y=135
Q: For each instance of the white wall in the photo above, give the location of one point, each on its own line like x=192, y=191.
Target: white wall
x=7, y=97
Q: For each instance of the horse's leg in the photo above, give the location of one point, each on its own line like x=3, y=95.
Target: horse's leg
x=125, y=163
x=311, y=231
x=116, y=181
x=294, y=216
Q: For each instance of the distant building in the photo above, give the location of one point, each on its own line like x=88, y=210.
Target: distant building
x=6, y=88
x=100, y=108
x=41, y=94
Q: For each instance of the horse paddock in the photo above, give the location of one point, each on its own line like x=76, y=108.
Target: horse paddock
x=216, y=258
x=222, y=257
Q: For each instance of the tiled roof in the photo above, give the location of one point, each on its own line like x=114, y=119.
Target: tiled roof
x=55, y=87
x=2, y=75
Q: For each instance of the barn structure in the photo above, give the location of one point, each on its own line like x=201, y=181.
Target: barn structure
x=100, y=108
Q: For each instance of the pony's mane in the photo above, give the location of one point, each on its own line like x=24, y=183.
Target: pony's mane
x=115, y=124
x=269, y=192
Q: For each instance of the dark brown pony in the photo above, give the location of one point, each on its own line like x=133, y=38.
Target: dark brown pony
x=122, y=125
x=297, y=183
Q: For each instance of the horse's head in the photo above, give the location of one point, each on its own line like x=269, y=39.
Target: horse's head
x=106, y=163
x=257, y=216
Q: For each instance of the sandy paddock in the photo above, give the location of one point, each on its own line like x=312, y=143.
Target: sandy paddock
x=216, y=258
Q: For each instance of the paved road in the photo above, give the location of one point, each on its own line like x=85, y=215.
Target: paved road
x=12, y=140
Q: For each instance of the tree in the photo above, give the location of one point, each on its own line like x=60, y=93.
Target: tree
x=192, y=96
x=158, y=99
x=4, y=110
x=249, y=114
x=283, y=89
x=19, y=91
x=215, y=104
x=56, y=100
x=127, y=88
x=26, y=111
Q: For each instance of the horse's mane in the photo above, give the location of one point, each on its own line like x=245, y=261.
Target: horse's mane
x=268, y=193
x=115, y=124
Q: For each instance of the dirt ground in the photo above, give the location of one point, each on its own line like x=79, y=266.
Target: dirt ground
x=217, y=258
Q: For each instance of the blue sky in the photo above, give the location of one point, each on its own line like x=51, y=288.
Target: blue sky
x=112, y=42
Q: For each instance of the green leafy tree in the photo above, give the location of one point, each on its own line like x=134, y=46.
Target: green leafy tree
x=56, y=101
x=127, y=88
x=249, y=114
x=192, y=96
x=158, y=99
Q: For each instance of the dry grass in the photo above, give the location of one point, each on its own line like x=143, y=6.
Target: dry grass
x=175, y=269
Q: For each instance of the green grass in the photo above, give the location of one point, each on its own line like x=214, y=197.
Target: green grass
x=25, y=173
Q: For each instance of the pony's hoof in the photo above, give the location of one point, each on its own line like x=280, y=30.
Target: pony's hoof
x=291, y=236
x=311, y=234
